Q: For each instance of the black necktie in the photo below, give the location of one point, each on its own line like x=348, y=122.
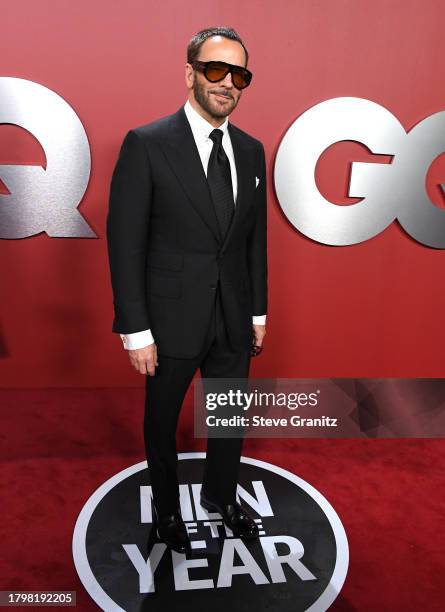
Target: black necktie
x=220, y=182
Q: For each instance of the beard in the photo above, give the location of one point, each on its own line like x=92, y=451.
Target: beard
x=212, y=107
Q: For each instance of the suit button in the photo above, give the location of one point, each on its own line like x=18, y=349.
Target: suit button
x=212, y=287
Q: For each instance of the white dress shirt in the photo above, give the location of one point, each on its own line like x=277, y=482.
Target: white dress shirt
x=201, y=129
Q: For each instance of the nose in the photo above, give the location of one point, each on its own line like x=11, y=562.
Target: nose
x=227, y=81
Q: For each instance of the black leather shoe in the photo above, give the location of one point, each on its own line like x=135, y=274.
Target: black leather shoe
x=173, y=532
x=234, y=516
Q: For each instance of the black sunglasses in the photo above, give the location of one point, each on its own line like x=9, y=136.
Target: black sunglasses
x=217, y=71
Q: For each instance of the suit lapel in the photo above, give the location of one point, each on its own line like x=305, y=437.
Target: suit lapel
x=241, y=155
x=182, y=154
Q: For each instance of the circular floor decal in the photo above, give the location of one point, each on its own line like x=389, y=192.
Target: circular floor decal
x=299, y=562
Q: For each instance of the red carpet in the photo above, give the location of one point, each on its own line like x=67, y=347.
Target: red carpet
x=58, y=446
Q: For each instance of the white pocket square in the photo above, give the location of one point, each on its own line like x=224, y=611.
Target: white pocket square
x=257, y=180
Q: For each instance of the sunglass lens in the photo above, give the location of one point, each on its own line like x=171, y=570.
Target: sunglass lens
x=241, y=78
x=216, y=72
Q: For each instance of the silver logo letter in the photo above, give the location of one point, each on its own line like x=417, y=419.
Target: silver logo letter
x=44, y=199
x=389, y=191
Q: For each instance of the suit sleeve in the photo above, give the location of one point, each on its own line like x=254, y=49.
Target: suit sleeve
x=257, y=243
x=127, y=231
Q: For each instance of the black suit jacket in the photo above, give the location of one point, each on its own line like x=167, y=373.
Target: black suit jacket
x=165, y=252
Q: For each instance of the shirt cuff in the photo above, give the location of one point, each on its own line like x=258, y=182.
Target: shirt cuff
x=137, y=340
x=259, y=319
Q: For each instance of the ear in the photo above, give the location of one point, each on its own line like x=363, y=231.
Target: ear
x=189, y=76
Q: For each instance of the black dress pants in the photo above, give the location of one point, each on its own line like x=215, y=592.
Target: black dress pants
x=164, y=396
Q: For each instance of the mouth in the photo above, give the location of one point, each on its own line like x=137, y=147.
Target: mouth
x=222, y=96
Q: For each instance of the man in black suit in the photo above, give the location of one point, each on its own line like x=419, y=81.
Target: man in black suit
x=186, y=232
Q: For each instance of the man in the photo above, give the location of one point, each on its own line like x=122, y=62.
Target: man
x=186, y=234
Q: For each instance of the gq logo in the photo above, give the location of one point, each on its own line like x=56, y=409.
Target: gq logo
x=298, y=563
x=44, y=199
x=390, y=191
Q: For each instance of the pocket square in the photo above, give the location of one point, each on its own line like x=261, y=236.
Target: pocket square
x=257, y=180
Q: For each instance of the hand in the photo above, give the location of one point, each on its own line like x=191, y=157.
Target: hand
x=144, y=359
x=259, y=331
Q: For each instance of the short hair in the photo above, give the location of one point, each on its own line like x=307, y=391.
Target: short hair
x=200, y=37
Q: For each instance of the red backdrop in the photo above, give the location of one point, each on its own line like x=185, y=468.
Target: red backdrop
x=372, y=309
